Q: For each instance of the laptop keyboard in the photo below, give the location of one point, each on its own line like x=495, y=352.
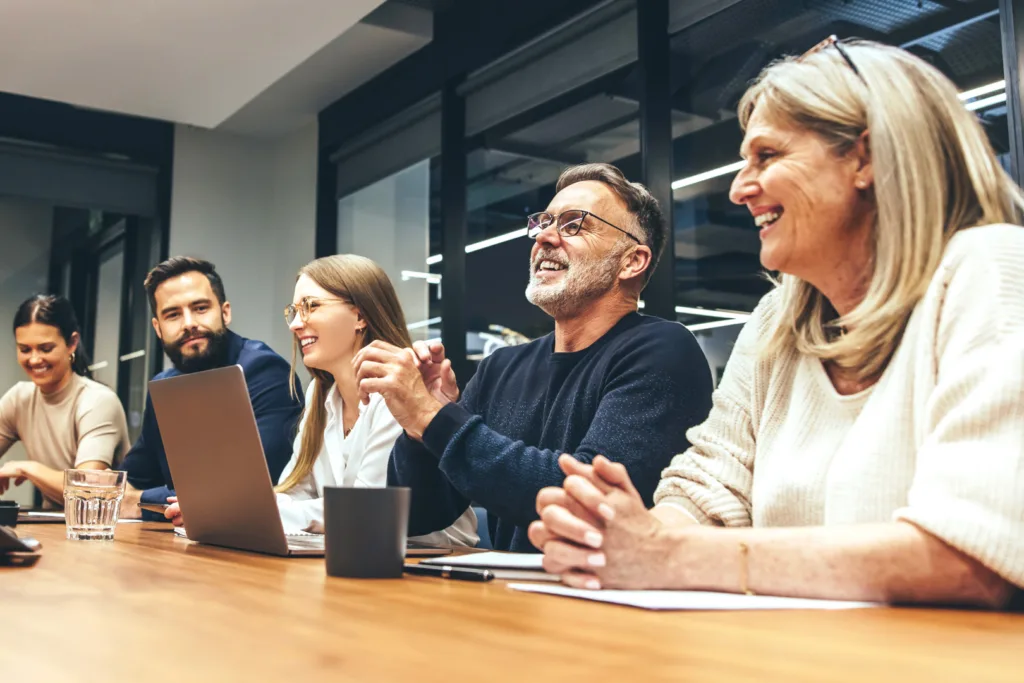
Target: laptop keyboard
x=306, y=542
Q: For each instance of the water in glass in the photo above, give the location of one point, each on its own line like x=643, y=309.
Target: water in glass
x=92, y=503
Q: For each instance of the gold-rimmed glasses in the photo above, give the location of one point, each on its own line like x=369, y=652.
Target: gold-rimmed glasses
x=305, y=307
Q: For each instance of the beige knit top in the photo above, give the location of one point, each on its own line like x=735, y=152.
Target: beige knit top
x=937, y=441
x=82, y=422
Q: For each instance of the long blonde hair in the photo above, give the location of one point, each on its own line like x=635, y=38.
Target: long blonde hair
x=366, y=286
x=935, y=173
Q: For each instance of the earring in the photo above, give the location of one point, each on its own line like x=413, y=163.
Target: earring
x=72, y=357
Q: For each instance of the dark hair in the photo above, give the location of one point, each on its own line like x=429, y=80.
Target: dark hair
x=638, y=199
x=179, y=265
x=56, y=311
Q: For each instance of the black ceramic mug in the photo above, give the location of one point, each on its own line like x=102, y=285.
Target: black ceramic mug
x=365, y=531
x=9, y=513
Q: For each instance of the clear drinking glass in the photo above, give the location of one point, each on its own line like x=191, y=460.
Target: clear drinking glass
x=92, y=503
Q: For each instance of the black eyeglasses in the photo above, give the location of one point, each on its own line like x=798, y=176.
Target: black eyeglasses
x=568, y=223
x=835, y=42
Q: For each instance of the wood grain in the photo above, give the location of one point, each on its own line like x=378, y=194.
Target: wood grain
x=150, y=607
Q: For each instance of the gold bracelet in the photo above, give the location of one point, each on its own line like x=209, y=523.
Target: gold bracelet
x=744, y=587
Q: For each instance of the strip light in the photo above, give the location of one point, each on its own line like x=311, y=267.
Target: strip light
x=715, y=323
x=733, y=319
x=423, y=323
x=483, y=244
x=986, y=102
x=432, y=278
x=708, y=175
x=712, y=313
x=983, y=90
x=707, y=312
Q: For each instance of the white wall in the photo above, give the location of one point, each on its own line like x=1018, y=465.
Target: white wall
x=26, y=227
x=249, y=206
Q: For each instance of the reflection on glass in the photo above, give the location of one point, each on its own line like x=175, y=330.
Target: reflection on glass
x=389, y=222
x=26, y=227
x=717, y=265
x=106, y=339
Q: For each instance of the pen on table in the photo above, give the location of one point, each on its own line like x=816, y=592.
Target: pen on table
x=448, y=572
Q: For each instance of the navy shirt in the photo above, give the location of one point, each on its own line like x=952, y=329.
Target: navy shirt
x=629, y=396
x=277, y=413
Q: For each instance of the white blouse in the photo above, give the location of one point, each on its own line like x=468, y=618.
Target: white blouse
x=359, y=460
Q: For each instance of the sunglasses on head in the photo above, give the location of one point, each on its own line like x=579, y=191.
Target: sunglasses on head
x=833, y=41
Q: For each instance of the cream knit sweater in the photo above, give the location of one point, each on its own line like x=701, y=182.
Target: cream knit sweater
x=937, y=441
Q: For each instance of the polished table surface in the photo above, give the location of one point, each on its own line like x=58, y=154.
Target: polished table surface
x=150, y=607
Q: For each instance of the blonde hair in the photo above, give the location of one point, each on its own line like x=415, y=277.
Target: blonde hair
x=934, y=174
x=366, y=286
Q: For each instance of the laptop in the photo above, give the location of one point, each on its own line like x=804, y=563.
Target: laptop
x=220, y=472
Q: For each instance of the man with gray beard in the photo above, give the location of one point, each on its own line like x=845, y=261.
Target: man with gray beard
x=608, y=381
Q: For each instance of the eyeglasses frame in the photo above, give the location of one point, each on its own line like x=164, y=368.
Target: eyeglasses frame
x=565, y=232
x=302, y=310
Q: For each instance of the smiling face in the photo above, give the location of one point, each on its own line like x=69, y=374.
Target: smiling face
x=808, y=201
x=334, y=330
x=191, y=323
x=44, y=355
x=568, y=273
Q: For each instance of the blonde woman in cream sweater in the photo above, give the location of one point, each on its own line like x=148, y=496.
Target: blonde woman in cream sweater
x=867, y=439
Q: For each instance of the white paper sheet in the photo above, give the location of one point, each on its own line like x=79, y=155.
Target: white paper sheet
x=690, y=600
x=492, y=560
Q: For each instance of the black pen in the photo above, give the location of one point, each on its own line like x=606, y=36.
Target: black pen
x=448, y=572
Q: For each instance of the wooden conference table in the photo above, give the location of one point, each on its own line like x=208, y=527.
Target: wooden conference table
x=150, y=607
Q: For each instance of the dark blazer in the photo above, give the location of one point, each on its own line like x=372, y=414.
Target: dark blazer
x=277, y=413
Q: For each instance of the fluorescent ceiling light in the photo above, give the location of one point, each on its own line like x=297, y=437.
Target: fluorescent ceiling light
x=423, y=323
x=490, y=242
x=716, y=323
x=986, y=102
x=712, y=313
x=739, y=320
x=708, y=312
x=708, y=175
x=432, y=278
x=483, y=244
x=983, y=90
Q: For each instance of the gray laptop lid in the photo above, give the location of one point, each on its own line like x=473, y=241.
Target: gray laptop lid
x=216, y=459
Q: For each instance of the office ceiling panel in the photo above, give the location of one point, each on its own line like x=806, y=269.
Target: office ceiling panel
x=188, y=61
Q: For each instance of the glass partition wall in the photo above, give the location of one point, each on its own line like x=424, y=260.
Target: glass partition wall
x=577, y=91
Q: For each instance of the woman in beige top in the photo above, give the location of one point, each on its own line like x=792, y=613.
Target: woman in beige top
x=63, y=418
x=867, y=439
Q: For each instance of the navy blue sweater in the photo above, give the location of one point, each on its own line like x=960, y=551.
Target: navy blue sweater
x=277, y=413
x=630, y=396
